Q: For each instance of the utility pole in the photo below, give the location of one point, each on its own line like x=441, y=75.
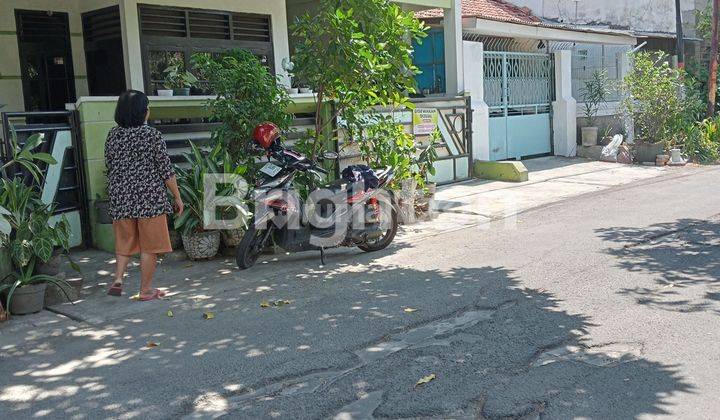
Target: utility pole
x=680, y=37
x=712, y=83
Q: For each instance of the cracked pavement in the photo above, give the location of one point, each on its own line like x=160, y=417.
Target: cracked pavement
x=600, y=306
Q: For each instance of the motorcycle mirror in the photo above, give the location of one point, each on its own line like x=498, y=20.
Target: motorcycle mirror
x=331, y=156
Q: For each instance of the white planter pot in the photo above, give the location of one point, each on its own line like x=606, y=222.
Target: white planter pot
x=589, y=136
x=201, y=246
x=165, y=92
x=407, y=201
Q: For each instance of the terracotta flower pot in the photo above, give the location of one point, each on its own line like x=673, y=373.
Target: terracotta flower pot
x=202, y=245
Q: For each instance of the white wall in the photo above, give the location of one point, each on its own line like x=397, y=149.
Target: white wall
x=642, y=15
x=131, y=32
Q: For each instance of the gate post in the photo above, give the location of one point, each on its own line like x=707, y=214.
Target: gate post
x=475, y=87
x=564, y=107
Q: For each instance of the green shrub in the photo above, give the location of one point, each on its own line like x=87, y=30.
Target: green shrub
x=358, y=54
x=655, y=99
x=703, y=141
x=248, y=94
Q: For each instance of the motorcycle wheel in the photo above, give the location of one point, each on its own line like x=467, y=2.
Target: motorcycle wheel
x=250, y=247
x=385, y=240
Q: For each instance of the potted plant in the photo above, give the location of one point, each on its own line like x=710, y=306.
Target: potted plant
x=102, y=205
x=385, y=143
x=425, y=163
x=198, y=241
x=32, y=242
x=594, y=92
x=651, y=98
x=179, y=79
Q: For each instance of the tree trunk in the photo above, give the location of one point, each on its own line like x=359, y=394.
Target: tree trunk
x=712, y=83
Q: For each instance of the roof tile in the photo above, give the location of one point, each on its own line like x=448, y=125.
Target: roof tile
x=488, y=9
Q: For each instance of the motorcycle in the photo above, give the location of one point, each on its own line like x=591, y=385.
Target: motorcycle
x=345, y=213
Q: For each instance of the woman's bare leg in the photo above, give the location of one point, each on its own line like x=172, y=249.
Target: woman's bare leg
x=148, y=264
x=121, y=263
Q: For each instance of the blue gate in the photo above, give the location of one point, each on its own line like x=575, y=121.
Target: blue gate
x=519, y=91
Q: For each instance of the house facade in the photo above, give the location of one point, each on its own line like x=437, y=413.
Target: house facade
x=78, y=55
x=518, y=69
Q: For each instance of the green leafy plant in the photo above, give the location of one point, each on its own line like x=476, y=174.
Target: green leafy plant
x=384, y=143
x=32, y=239
x=25, y=157
x=594, y=92
x=653, y=97
x=191, y=182
x=703, y=141
x=177, y=77
x=247, y=96
x=357, y=54
x=426, y=159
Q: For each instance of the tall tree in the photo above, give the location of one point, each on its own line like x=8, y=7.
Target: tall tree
x=712, y=83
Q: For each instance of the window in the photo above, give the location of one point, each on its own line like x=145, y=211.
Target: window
x=180, y=33
x=429, y=57
x=45, y=59
x=104, y=51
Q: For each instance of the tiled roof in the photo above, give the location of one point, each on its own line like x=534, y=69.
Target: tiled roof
x=488, y=9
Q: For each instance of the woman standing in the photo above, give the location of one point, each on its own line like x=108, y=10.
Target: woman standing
x=139, y=175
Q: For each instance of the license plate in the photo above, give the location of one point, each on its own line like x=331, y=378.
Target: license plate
x=270, y=169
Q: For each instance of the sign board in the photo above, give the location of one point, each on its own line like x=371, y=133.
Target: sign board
x=425, y=121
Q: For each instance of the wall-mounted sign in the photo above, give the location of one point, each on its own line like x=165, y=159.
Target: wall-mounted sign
x=425, y=121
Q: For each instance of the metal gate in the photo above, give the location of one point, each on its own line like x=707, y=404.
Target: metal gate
x=64, y=182
x=519, y=90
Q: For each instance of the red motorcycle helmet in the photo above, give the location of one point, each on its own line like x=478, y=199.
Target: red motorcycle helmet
x=266, y=134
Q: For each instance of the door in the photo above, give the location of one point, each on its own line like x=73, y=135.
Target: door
x=45, y=59
x=519, y=91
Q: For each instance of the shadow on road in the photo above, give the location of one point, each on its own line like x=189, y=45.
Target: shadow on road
x=684, y=257
x=352, y=342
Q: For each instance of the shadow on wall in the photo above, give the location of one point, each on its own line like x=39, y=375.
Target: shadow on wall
x=684, y=257
x=343, y=346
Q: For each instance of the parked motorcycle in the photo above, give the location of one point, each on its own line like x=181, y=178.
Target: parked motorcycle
x=345, y=213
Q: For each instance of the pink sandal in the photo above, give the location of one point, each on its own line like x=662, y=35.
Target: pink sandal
x=156, y=295
x=115, y=290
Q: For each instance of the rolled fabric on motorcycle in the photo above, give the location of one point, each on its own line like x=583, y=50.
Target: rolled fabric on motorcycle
x=361, y=173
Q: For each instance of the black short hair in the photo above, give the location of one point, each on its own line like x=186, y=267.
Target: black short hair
x=131, y=108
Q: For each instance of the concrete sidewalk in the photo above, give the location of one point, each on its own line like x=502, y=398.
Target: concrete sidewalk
x=192, y=285
x=552, y=180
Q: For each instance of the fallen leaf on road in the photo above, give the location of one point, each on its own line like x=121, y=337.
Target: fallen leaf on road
x=208, y=315
x=170, y=314
x=135, y=297
x=151, y=344
x=264, y=304
x=281, y=302
x=409, y=310
x=188, y=265
x=426, y=380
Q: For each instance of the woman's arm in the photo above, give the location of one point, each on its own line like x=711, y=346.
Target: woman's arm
x=162, y=159
x=172, y=185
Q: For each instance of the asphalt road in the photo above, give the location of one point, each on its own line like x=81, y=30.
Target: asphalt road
x=601, y=306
